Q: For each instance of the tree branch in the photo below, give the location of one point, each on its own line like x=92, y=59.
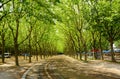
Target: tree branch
x=11, y=30
x=2, y=17
x=4, y=3
x=27, y=36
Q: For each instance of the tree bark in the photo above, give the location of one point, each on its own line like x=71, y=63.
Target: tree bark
x=16, y=43
x=30, y=50
x=3, y=47
x=36, y=53
x=16, y=54
x=79, y=48
x=3, y=43
x=102, y=58
x=112, y=51
x=84, y=45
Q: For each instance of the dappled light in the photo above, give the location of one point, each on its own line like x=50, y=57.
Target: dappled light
x=59, y=39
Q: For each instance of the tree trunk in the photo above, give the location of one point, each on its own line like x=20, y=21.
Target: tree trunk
x=3, y=43
x=30, y=51
x=84, y=45
x=3, y=48
x=36, y=53
x=78, y=37
x=94, y=49
x=112, y=51
x=16, y=54
x=40, y=50
x=85, y=48
x=102, y=58
x=16, y=43
x=80, y=53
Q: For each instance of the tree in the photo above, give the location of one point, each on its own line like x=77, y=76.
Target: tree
x=105, y=20
x=74, y=12
x=3, y=13
x=3, y=30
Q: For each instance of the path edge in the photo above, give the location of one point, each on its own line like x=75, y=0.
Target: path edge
x=26, y=72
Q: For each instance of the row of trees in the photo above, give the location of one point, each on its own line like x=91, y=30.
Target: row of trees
x=27, y=26
x=90, y=25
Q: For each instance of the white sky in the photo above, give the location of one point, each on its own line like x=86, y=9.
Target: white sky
x=1, y=8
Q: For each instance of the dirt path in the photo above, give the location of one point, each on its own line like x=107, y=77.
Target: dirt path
x=64, y=67
x=8, y=70
x=96, y=68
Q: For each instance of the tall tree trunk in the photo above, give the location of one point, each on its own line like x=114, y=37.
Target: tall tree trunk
x=16, y=43
x=80, y=49
x=40, y=50
x=16, y=54
x=3, y=47
x=102, y=58
x=84, y=45
x=36, y=53
x=3, y=43
x=94, y=46
x=85, y=49
x=112, y=51
x=30, y=50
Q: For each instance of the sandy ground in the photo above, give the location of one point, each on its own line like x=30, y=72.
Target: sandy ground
x=96, y=66
x=10, y=71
